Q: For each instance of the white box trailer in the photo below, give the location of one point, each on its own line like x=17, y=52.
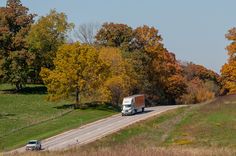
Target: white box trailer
x=133, y=104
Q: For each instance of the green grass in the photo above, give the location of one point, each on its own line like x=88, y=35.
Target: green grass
x=28, y=115
x=206, y=125
x=211, y=125
x=197, y=130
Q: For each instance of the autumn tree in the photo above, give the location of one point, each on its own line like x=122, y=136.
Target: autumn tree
x=164, y=72
x=191, y=71
x=202, y=84
x=44, y=38
x=155, y=69
x=78, y=70
x=118, y=82
x=146, y=38
x=228, y=70
x=228, y=73
x=15, y=22
x=197, y=91
x=115, y=35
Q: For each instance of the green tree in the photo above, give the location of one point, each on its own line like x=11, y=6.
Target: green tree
x=15, y=22
x=44, y=38
x=78, y=70
x=139, y=62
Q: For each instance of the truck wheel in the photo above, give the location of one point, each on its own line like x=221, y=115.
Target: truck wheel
x=142, y=109
x=133, y=112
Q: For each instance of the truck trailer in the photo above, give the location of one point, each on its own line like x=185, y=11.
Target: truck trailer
x=133, y=104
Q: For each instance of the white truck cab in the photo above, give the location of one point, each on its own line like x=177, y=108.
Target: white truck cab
x=133, y=104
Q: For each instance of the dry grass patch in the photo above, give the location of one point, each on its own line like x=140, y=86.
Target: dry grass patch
x=132, y=150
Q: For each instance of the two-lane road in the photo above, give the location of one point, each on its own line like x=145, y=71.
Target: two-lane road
x=98, y=129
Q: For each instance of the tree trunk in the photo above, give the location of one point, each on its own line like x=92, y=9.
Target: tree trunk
x=17, y=87
x=76, y=97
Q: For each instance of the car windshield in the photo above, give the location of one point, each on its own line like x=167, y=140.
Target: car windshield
x=32, y=142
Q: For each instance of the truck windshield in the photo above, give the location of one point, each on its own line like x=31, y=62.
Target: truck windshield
x=127, y=106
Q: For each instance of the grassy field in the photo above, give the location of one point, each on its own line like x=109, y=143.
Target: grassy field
x=28, y=115
x=205, y=125
x=199, y=130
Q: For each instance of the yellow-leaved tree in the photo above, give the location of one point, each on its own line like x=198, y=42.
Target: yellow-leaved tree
x=78, y=70
x=228, y=70
x=119, y=81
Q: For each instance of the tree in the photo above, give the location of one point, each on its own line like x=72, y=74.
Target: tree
x=228, y=70
x=14, y=57
x=86, y=33
x=118, y=82
x=164, y=72
x=197, y=91
x=115, y=35
x=191, y=71
x=78, y=70
x=231, y=36
x=45, y=37
x=147, y=39
x=154, y=68
x=228, y=73
x=202, y=83
x=139, y=62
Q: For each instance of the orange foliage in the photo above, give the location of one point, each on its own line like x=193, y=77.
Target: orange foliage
x=197, y=92
x=192, y=71
x=229, y=77
x=228, y=70
x=147, y=39
x=163, y=70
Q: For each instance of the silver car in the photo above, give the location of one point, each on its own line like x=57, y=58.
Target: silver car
x=33, y=145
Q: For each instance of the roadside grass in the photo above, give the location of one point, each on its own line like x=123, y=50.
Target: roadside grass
x=204, y=125
x=132, y=150
x=28, y=115
x=196, y=130
x=210, y=125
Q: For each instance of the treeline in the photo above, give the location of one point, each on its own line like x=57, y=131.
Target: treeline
x=117, y=61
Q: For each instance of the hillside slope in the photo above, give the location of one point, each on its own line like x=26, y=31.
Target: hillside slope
x=204, y=129
x=28, y=115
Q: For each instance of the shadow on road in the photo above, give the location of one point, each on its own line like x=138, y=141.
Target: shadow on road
x=145, y=112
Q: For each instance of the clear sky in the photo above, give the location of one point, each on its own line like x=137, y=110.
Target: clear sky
x=193, y=29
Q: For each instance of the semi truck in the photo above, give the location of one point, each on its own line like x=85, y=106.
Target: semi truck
x=133, y=104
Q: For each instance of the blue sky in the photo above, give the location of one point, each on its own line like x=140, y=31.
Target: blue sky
x=193, y=29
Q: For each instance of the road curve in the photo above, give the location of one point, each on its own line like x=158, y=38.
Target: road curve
x=97, y=130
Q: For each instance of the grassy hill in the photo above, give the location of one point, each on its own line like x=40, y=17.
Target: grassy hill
x=28, y=115
x=198, y=130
